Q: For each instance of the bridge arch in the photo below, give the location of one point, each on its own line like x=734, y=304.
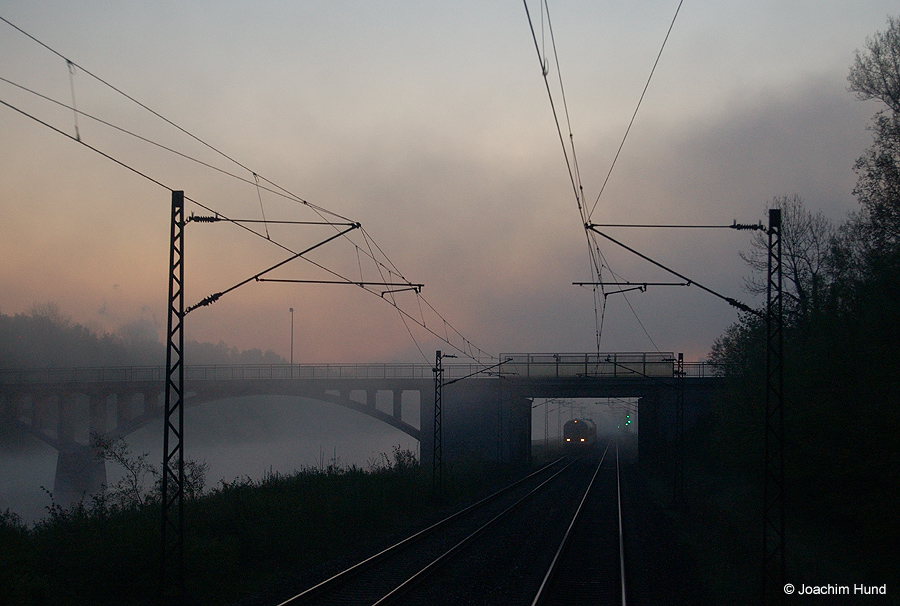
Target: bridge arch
x=47, y=414
x=194, y=398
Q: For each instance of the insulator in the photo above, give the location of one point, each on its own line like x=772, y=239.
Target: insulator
x=742, y=226
x=201, y=219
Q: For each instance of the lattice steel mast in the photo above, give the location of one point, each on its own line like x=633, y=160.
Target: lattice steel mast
x=678, y=490
x=437, y=463
x=774, y=485
x=172, y=564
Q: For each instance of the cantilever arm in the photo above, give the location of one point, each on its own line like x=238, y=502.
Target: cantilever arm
x=215, y=297
x=729, y=300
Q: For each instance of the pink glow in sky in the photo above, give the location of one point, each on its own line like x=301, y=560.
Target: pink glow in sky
x=429, y=124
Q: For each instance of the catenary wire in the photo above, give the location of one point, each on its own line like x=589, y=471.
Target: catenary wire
x=606, y=180
x=574, y=175
x=286, y=193
x=393, y=303
x=595, y=255
x=183, y=155
x=599, y=298
x=149, y=109
x=634, y=115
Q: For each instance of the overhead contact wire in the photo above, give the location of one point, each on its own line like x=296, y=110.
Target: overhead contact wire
x=278, y=192
x=634, y=115
x=92, y=148
x=164, y=119
x=571, y=166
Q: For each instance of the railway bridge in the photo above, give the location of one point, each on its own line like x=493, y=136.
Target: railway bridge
x=487, y=415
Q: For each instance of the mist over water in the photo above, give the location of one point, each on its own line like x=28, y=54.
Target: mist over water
x=21, y=476
x=238, y=438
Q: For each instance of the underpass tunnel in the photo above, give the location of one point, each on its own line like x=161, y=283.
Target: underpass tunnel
x=615, y=417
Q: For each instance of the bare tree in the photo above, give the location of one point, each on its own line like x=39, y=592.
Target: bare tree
x=875, y=73
x=131, y=490
x=805, y=239
x=878, y=183
x=52, y=312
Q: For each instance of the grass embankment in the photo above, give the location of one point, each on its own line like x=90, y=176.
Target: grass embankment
x=240, y=538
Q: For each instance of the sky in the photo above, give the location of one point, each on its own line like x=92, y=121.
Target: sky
x=430, y=125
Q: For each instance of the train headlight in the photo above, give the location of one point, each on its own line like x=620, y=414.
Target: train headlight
x=582, y=439
x=568, y=439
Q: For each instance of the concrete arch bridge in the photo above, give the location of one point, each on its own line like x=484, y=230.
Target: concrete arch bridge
x=487, y=416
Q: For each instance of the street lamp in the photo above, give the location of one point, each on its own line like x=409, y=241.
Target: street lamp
x=292, y=341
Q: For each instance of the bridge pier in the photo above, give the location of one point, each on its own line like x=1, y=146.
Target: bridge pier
x=79, y=473
x=397, y=404
x=426, y=427
x=124, y=412
x=65, y=423
x=482, y=420
x=96, y=415
x=42, y=408
x=648, y=421
x=520, y=430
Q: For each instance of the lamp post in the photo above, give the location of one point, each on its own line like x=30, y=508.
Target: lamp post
x=292, y=342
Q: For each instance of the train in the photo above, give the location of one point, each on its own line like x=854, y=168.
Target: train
x=579, y=434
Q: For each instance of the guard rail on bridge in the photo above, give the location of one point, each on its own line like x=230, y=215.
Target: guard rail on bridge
x=517, y=365
x=617, y=365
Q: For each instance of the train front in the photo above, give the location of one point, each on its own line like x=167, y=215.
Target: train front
x=579, y=434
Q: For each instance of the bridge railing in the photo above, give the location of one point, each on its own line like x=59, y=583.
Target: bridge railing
x=589, y=365
x=704, y=370
x=307, y=371
x=83, y=375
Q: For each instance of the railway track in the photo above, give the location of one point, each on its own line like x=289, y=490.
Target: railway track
x=589, y=565
x=376, y=577
x=523, y=545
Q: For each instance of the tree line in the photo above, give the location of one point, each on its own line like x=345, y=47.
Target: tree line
x=842, y=373
x=841, y=282
x=45, y=337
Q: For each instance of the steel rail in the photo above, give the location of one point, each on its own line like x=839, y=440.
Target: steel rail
x=621, y=534
x=544, y=594
x=539, y=596
x=346, y=574
x=428, y=569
